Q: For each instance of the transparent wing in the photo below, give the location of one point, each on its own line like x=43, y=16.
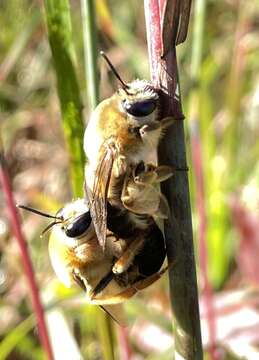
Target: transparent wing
x=98, y=197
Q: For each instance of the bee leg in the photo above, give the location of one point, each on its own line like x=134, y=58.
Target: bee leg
x=144, y=173
x=157, y=174
x=79, y=280
x=102, y=284
x=125, y=260
x=127, y=201
x=163, y=211
x=142, y=284
x=124, y=193
x=164, y=172
x=120, y=166
x=146, y=178
x=151, y=126
x=131, y=291
x=153, y=174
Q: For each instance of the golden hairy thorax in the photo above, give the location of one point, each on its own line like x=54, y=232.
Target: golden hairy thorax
x=115, y=124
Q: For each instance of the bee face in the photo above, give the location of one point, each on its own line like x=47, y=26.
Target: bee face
x=72, y=240
x=77, y=221
x=140, y=99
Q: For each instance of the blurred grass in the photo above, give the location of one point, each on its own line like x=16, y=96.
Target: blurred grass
x=90, y=52
x=16, y=336
x=60, y=39
x=228, y=110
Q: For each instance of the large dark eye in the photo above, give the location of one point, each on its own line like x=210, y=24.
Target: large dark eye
x=140, y=108
x=79, y=226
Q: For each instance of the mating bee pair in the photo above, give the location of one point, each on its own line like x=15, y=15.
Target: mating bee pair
x=110, y=243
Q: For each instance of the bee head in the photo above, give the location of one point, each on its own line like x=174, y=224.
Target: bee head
x=76, y=219
x=140, y=98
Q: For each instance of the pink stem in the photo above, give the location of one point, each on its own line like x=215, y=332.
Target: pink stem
x=125, y=350
x=153, y=30
x=14, y=220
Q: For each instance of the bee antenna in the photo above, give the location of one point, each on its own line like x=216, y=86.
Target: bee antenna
x=115, y=72
x=49, y=227
x=38, y=212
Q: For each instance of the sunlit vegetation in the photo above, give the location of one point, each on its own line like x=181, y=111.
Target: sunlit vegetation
x=221, y=104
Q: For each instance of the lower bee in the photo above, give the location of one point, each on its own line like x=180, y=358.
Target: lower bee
x=131, y=261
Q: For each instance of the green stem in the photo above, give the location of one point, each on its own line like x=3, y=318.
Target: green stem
x=105, y=333
x=60, y=39
x=90, y=40
x=198, y=35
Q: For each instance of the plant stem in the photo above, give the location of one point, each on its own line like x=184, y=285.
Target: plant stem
x=178, y=231
x=105, y=333
x=198, y=169
x=60, y=39
x=29, y=272
x=90, y=40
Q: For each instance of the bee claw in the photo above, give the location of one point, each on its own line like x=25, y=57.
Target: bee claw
x=151, y=126
x=117, y=269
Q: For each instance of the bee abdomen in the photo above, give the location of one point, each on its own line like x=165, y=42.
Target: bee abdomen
x=151, y=257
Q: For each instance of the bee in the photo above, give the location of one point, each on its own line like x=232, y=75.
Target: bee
x=108, y=277
x=123, y=131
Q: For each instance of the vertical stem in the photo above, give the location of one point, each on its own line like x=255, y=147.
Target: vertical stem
x=198, y=35
x=196, y=146
x=105, y=333
x=235, y=84
x=15, y=222
x=178, y=231
x=202, y=232
x=60, y=39
x=152, y=16
x=90, y=41
x=125, y=350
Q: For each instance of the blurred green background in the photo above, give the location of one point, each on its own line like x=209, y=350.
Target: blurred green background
x=221, y=104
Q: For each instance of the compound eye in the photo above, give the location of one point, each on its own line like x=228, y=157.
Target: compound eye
x=79, y=226
x=141, y=108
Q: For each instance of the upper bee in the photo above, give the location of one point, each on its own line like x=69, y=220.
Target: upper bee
x=122, y=131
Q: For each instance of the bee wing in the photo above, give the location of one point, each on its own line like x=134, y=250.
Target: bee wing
x=98, y=198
